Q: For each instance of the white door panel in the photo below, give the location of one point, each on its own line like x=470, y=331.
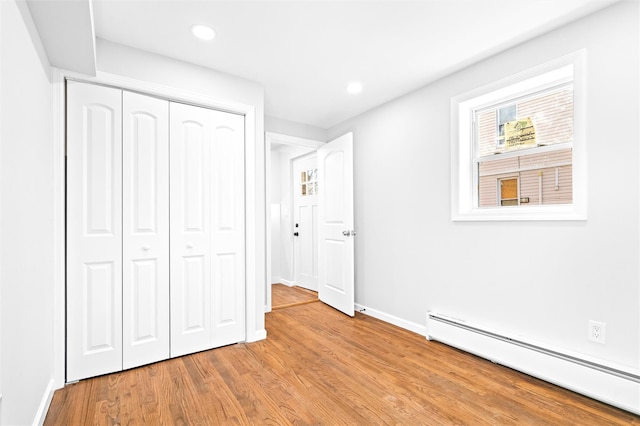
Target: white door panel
x=190, y=134
x=227, y=229
x=307, y=248
x=145, y=229
x=194, y=297
x=94, y=231
x=305, y=205
x=336, y=227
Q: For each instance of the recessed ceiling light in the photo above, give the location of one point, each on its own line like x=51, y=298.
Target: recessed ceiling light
x=203, y=32
x=354, y=88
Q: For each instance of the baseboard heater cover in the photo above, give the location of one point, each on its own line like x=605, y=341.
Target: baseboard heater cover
x=613, y=385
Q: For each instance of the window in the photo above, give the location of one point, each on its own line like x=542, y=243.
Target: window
x=518, y=147
x=534, y=139
x=504, y=115
x=508, y=189
x=309, y=182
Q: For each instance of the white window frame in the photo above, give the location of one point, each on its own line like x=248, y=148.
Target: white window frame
x=464, y=180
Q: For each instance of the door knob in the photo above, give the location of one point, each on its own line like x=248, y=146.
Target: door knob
x=346, y=233
x=146, y=247
x=189, y=245
x=295, y=234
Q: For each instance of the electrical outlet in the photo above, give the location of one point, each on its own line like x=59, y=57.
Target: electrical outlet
x=597, y=331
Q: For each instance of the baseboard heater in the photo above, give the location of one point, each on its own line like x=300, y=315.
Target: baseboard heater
x=614, y=385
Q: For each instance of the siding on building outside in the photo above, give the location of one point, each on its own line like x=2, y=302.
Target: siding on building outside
x=528, y=168
x=552, y=116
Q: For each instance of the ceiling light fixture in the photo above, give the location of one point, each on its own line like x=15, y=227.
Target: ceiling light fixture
x=354, y=88
x=203, y=32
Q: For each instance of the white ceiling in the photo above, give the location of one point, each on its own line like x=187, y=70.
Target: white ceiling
x=305, y=52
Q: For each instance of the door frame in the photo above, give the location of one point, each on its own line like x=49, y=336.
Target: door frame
x=279, y=138
x=254, y=325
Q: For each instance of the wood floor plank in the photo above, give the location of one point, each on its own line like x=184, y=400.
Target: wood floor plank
x=319, y=366
x=283, y=296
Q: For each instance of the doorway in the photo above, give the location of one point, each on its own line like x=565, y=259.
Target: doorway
x=335, y=218
x=283, y=250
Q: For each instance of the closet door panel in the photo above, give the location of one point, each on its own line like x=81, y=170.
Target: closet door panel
x=190, y=130
x=94, y=230
x=227, y=229
x=145, y=229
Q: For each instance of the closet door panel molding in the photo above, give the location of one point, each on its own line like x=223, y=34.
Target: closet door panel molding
x=145, y=229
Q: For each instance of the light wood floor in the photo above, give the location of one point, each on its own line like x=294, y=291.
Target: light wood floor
x=283, y=296
x=321, y=367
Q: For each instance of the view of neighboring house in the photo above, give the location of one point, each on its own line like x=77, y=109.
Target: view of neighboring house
x=538, y=171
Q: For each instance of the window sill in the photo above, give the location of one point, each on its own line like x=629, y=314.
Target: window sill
x=520, y=213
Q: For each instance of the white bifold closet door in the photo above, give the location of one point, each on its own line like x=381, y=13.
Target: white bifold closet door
x=155, y=229
x=94, y=230
x=117, y=230
x=207, y=229
x=145, y=230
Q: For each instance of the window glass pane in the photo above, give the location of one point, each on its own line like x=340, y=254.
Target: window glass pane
x=551, y=114
x=526, y=130
x=545, y=178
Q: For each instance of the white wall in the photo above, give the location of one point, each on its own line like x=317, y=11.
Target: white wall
x=291, y=128
x=26, y=226
x=411, y=258
x=125, y=61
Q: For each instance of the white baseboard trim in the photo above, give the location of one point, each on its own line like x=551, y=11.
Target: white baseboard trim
x=613, y=384
x=391, y=319
x=286, y=282
x=257, y=335
x=43, y=408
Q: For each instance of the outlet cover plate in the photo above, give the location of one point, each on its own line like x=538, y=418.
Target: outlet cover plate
x=597, y=331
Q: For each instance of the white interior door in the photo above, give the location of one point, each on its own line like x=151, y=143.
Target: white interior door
x=336, y=230
x=145, y=215
x=227, y=229
x=94, y=230
x=189, y=212
x=305, y=221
